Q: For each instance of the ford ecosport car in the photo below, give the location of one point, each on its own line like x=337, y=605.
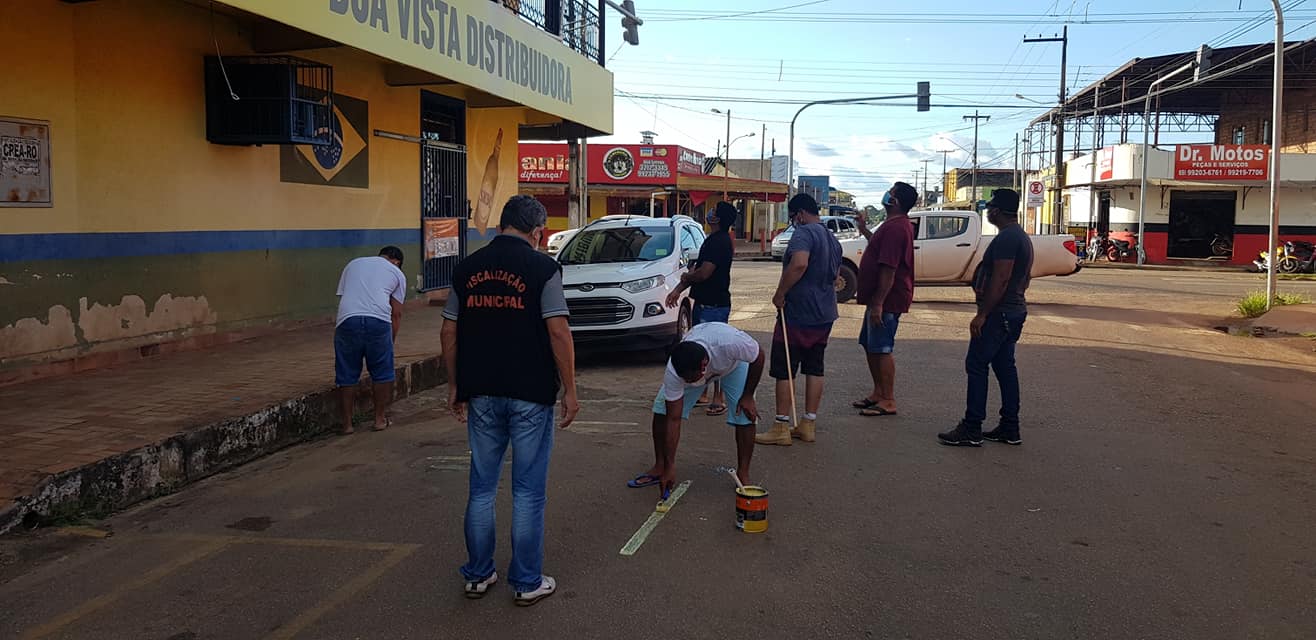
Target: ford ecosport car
x=617, y=272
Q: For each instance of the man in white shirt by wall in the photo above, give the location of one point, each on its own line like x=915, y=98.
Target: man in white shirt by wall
x=711, y=351
x=371, y=292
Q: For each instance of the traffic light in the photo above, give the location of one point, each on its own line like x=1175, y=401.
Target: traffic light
x=1203, y=62
x=924, y=96
x=631, y=25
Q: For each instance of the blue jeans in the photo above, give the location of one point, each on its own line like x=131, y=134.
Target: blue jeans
x=491, y=424
x=879, y=339
x=361, y=338
x=994, y=348
x=702, y=314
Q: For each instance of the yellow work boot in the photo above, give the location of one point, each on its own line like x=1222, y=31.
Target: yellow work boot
x=805, y=432
x=780, y=434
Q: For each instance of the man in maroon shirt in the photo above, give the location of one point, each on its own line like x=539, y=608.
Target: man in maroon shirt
x=886, y=286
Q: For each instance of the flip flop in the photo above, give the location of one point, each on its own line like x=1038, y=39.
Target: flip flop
x=864, y=404
x=639, y=482
x=701, y=403
x=875, y=411
x=716, y=410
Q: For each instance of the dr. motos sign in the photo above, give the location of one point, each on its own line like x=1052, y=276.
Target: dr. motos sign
x=1222, y=162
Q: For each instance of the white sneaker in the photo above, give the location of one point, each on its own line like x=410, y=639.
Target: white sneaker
x=476, y=590
x=547, y=587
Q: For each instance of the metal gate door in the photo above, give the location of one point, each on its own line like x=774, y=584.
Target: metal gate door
x=444, y=211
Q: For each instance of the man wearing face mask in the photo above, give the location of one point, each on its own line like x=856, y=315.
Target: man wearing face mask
x=999, y=284
x=886, y=286
x=508, y=350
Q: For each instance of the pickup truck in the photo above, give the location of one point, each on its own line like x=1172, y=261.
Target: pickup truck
x=948, y=245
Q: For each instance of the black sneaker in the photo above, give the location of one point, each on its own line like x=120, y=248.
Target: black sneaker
x=960, y=437
x=999, y=434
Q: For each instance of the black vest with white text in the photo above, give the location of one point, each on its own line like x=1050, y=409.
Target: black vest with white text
x=503, y=347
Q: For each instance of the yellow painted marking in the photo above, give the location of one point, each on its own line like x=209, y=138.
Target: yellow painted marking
x=342, y=594
x=91, y=606
x=84, y=532
x=649, y=525
x=320, y=543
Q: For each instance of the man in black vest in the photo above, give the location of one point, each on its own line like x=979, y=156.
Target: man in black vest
x=508, y=350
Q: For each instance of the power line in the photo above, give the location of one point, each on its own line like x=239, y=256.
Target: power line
x=869, y=17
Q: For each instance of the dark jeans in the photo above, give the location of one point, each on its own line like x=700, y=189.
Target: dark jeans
x=994, y=348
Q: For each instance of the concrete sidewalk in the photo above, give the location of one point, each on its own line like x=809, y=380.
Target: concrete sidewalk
x=1296, y=319
x=102, y=440
x=1218, y=267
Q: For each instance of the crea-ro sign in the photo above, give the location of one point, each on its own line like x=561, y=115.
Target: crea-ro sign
x=477, y=43
x=1222, y=162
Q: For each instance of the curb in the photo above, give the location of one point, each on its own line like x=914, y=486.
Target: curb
x=1232, y=268
x=157, y=469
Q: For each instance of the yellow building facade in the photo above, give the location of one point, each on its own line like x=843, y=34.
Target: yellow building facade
x=142, y=232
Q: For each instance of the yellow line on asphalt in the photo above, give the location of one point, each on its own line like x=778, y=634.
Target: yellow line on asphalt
x=649, y=525
x=100, y=602
x=317, y=543
x=343, y=593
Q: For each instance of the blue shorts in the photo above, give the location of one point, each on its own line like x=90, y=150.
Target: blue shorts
x=880, y=339
x=733, y=386
x=361, y=338
x=704, y=314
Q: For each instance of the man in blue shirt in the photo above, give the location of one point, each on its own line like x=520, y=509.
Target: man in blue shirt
x=806, y=298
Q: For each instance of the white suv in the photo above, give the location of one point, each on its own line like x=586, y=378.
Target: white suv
x=617, y=272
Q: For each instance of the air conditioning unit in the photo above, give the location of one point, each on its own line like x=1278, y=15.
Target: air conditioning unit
x=269, y=100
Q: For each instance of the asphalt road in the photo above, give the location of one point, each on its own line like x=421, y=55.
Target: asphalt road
x=1165, y=489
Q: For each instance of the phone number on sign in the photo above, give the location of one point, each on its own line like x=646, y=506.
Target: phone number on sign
x=1222, y=173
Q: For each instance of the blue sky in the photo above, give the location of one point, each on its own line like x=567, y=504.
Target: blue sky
x=971, y=52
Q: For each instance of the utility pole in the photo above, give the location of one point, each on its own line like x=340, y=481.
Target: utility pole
x=763, y=146
x=1057, y=215
x=944, y=154
x=973, y=180
x=924, y=196
x=1015, y=182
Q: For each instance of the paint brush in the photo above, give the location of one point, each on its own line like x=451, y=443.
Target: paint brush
x=736, y=478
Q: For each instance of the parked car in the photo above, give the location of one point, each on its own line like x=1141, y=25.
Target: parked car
x=617, y=272
x=559, y=240
x=948, y=245
x=842, y=228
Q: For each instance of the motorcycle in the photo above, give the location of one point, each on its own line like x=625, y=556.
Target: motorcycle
x=1117, y=250
x=1294, y=256
x=1222, y=246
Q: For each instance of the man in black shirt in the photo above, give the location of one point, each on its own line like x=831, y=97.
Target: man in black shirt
x=999, y=284
x=709, y=282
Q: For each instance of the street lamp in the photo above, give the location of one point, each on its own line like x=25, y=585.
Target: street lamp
x=748, y=135
x=727, y=155
x=1027, y=99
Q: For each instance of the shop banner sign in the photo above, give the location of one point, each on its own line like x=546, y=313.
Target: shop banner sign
x=1222, y=162
x=1106, y=164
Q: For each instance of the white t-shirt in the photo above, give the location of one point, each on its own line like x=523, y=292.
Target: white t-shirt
x=365, y=287
x=727, y=347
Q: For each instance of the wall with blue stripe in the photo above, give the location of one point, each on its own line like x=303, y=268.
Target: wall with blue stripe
x=83, y=246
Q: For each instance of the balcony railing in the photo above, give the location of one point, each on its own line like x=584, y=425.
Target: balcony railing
x=575, y=22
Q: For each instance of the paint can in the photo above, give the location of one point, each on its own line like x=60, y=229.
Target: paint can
x=752, y=509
